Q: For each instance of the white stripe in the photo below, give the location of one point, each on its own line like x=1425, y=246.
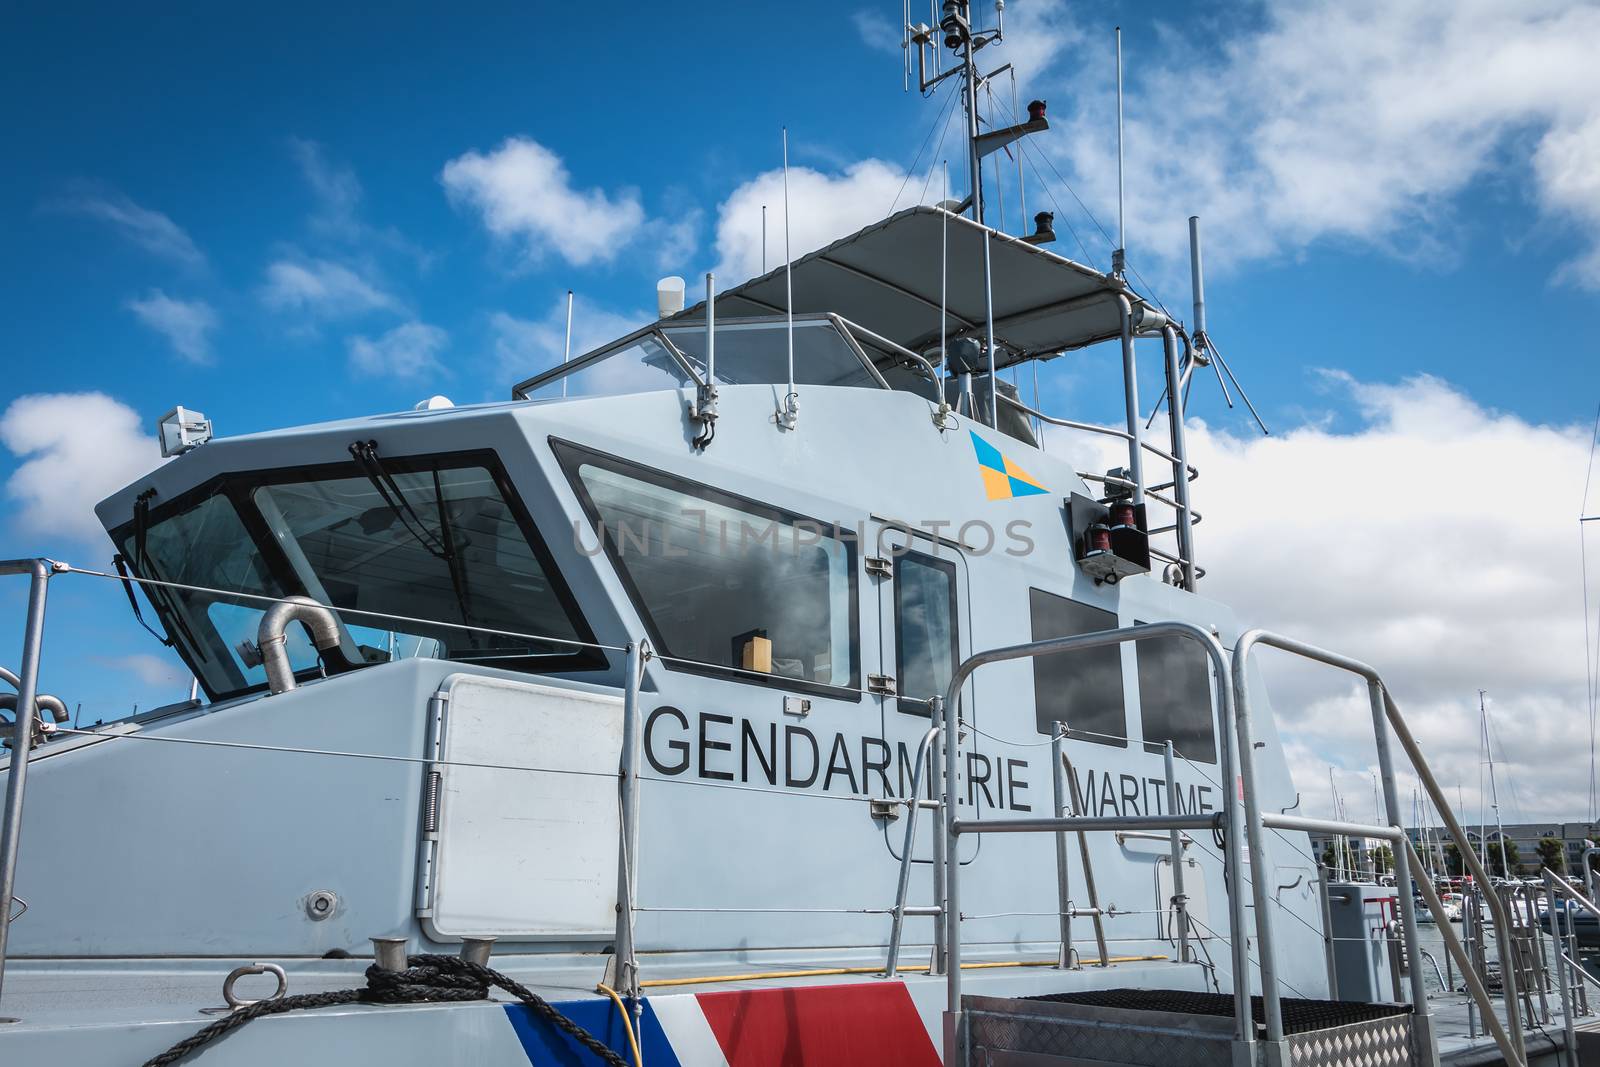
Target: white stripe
x=687, y=1031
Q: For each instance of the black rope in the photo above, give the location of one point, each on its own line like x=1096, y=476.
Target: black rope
x=427, y=978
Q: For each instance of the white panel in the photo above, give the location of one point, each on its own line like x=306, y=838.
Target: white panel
x=524, y=854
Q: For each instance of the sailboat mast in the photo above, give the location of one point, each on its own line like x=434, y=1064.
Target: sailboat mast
x=1494, y=791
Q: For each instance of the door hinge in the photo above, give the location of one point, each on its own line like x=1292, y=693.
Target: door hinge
x=881, y=684
x=878, y=567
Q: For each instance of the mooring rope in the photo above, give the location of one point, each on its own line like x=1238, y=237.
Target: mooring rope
x=427, y=978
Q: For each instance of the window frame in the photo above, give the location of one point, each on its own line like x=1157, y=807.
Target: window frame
x=1211, y=755
x=571, y=457
x=239, y=488
x=910, y=705
x=1095, y=737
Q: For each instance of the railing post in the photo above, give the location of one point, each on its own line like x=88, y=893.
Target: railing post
x=1422, y=1013
x=627, y=858
x=1469, y=975
x=955, y=1038
x=1244, y=1035
x=21, y=739
x=1130, y=392
x=1063, y=874
x=1502, y=921
x=1559, y=916
x=936, y=965
x=1327, y=932
x=1180, y=902
x=903, y=888
x=1260, y=878
x=1180, y=452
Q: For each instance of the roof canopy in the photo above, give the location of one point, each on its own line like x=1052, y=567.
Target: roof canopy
x=887, y=278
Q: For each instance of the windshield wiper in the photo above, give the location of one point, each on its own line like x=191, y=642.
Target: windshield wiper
x=441, y=545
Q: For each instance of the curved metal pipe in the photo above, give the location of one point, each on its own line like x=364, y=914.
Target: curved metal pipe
x=272, y=636
x=58, y=707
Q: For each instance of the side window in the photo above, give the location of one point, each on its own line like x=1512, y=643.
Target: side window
x=1082, y=689
x=726, y=586
x=1175, y=698
x=924, y=629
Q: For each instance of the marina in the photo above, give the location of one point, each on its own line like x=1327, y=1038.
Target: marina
x=765, y=684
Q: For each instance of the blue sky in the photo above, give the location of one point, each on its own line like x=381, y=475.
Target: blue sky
x=250, y=212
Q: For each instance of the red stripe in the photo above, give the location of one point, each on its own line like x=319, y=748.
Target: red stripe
x=811, y=1026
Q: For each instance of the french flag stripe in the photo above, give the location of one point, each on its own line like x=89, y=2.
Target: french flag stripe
x=808, y=1026
x=686, y=1029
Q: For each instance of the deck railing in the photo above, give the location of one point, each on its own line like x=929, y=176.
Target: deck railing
x=1242, y=819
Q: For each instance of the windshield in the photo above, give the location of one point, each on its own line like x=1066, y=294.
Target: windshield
x=757, y=353
x=432, y=559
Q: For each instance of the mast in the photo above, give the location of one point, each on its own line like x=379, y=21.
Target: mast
x=1483, y=809
x=1494, y=792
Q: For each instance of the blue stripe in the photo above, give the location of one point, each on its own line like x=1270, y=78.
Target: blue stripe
x=544, y=1044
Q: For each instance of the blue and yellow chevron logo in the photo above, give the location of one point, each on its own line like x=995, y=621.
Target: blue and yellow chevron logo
x=1002, y=479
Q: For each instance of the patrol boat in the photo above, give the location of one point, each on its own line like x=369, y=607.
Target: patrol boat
x=754, y=689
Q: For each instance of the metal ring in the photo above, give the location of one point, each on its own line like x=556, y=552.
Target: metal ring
x=253, y=968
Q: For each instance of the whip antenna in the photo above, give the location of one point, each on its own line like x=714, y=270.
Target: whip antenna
x=791, y=401
x=566, y=352
x=1119, y=257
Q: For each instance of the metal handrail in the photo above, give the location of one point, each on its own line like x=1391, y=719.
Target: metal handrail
x=1561, y=917
x=1107, y=431
x=913, y=805
x=39, y=572
x=1232, y=754
x=1385, y=715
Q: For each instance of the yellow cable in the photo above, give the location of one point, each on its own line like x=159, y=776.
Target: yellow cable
x=627, y=1021
x=825, y=972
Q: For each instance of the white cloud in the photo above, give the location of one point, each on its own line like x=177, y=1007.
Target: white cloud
x=151, y=670
x=186, y=324
x=524, y=195
x=323, y=289
x=76, y=449
x=150, y=230
x=1434, y=541
x=877, y=30
x=824, y=207
x=525, y=347
x=675, y=241
x=408, y=351
x=1362, y=121
x=336, y=187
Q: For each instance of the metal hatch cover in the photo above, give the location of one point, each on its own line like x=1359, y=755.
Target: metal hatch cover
x=886, y=278
x=523, y=854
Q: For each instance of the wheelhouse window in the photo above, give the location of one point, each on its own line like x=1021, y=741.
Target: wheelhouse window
x=758, y=353
x=1082, y=689
x=443, y=544
x=1175, y=698
x=926, y=652
x=726, y=586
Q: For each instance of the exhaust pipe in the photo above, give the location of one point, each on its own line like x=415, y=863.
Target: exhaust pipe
x=272, y=637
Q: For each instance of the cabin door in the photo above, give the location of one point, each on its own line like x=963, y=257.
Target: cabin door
x=923, y=634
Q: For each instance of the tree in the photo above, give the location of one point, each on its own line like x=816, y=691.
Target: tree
x=1551, y=854
x=1452, y=860
x=1502, y=857
x=1382, y=859
x=1334, y=862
